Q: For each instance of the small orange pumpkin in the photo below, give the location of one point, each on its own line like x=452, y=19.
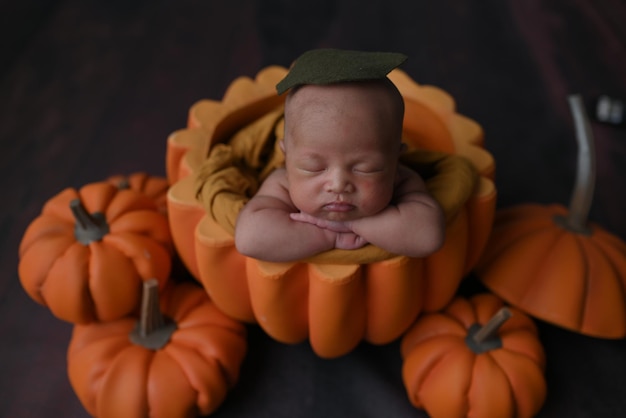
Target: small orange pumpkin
x=555, y=265
x=179, y=360
x=154, y=187
x=86, y=254
x=476, y=358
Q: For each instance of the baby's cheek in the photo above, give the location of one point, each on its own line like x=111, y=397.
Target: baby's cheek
x=304, y=197
x=375, y=195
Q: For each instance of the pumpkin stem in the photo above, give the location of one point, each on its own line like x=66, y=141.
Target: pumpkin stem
x=582, y=195
x=153, y=330
x=485, y=338
x=123, y=184
x=88, y=227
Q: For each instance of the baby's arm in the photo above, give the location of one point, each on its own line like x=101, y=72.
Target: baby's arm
x=413, y=224
x=265, y=231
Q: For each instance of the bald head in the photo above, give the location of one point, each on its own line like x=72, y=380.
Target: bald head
x=379, y=99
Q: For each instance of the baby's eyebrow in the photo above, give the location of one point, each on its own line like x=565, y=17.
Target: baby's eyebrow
x=310, y=155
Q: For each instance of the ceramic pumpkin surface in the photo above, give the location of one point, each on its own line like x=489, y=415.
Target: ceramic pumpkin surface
x=154, y=187
x=338, y=298
x=476, y=358
x=87, y=253
x=179, y=359
x=551, y=262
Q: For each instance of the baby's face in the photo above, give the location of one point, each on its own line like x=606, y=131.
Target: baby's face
x=342, y=146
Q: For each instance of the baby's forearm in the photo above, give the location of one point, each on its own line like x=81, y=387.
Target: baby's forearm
x=414, y=229
x=271, y=235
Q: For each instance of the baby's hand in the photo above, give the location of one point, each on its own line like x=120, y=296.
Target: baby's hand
x=334, y=226
x=349, y=241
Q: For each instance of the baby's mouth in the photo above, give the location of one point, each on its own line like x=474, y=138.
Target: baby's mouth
x=339, y=207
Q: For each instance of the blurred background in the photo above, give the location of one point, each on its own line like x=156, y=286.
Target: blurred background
x=89, y=89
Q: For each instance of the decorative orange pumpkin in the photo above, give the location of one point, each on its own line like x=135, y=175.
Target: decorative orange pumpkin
x=176, y=361
x=154, y=187
x=86, y=254
x=555, y=265
x=338, y=298
x=476, y=358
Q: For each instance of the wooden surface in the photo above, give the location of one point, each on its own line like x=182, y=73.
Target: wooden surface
x=89, y=89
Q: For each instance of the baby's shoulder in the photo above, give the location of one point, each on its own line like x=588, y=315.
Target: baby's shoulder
x=278, y=176
x=406, y=173
x=408, y=180
x=275, y=184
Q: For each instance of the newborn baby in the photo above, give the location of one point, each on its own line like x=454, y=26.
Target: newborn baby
x=342, y=185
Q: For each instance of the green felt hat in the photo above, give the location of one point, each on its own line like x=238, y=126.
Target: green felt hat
x=329, y=66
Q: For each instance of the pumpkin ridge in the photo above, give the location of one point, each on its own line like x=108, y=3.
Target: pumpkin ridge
x=106, y=264
x=215, y=362
x=561, y=234
x=605, y=249
x=477, y=381
x=44, y=226
x=598, y=249
x=442, y=355
x=210, y=355
x=579, y=240
x=519, y=224
x=180, y=302
x=497, y=365
x=127, y=201
x=96, y=196
x=96, y=338
x=34, y=281
x=429, y=327
x=130, y=355
x=177, y=353
x=419, y=377
x=143, y=251
x=222, y=324
x=510, y=342
x=49, y=281
x=143, y=222
x=81, y=353
x=442, y=362
x=536, y=385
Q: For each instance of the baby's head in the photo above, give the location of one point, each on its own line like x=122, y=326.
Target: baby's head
x=342, y=143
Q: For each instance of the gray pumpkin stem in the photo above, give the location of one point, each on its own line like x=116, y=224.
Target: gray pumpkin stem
x=483, y=338
x=89, y=227
x=490, y=329
x=582, y=195
x=153, y=330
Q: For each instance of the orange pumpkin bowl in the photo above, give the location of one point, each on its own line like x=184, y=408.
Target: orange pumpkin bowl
x=338, y=298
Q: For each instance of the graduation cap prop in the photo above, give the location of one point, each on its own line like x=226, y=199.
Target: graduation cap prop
x=329, y=66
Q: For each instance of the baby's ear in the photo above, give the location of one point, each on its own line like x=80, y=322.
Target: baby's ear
x=281, y=144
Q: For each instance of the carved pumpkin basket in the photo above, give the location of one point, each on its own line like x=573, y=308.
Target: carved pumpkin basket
x=178, y=359
x=88, y=252
x=475, y=358
x=338, y=298
x=554, y=264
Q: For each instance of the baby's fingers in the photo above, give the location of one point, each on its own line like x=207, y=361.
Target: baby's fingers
x=303, y=217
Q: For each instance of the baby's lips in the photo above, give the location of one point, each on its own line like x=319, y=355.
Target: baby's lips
x=339, y=207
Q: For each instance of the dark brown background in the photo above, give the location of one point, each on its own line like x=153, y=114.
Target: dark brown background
x=93, y=88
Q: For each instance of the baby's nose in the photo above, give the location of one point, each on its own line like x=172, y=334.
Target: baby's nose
x=339, y=182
